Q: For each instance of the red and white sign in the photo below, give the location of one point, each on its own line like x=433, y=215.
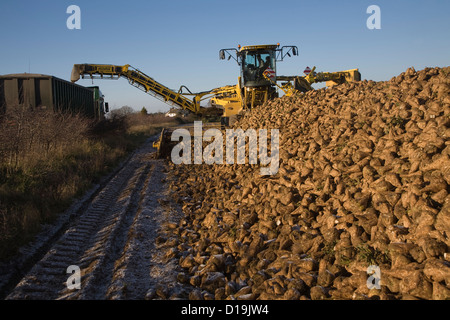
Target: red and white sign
x=270, y=73
x=307, y=71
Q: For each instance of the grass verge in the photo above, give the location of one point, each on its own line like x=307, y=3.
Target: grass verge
x=48, y=159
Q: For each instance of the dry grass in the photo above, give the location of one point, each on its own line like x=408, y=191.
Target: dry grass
x=47, y=159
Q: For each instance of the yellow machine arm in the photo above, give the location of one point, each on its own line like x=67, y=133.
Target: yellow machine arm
x=303, y=83
x=138, y=79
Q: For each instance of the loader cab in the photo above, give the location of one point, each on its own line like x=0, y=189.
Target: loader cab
x=257, y=80
x=255, y=61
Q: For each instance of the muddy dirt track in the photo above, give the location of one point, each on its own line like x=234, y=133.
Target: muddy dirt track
x=112, y=236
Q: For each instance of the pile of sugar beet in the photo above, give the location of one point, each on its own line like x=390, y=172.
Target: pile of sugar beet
x=363, y=181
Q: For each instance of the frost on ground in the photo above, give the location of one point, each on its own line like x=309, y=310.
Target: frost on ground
x=120, y=238
x=147, y=267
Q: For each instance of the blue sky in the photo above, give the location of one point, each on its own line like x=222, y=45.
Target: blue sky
x=177, y=42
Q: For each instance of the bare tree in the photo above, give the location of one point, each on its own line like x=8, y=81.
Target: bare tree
x=121, y=112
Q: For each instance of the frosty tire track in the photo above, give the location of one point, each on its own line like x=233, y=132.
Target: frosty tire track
x=112, y=241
